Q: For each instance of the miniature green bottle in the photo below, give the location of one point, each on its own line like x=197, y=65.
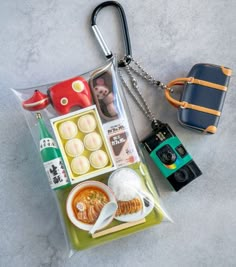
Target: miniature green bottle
x=51, y=157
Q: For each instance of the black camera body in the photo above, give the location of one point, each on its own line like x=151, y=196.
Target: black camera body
x=170, y=156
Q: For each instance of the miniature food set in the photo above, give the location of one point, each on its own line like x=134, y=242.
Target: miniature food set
x=85, y=202
x=83, y=144
x=92, y=157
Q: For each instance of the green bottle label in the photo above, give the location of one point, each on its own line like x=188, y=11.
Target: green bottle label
x=47, y=142
x=51, y=157
x=56, y=173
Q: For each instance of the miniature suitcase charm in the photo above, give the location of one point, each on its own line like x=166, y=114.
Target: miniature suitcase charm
x=203, y=96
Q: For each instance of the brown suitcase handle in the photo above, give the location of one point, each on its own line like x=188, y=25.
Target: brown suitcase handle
x=171, y=100
x=184, y=104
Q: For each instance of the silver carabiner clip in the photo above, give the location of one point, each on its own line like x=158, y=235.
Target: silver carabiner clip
x=128, y=56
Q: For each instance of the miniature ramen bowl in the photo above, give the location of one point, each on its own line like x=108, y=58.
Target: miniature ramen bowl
x=79, y=188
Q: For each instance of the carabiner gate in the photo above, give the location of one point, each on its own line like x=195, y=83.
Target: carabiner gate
x=128, y=56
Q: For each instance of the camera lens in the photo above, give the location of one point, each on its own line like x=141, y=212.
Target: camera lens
x=181, y=176
x=168, y=157
x=184, y=175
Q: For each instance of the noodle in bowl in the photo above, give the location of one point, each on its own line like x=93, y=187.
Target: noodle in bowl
x=85, y=202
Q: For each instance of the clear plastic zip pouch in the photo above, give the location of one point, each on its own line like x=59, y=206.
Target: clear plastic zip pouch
x=92, y=157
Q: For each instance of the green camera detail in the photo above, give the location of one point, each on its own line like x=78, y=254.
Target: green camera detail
x=169, y=156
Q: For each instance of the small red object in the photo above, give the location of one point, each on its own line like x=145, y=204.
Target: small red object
x=36, y=102
x=70, y=93
x=63, y=96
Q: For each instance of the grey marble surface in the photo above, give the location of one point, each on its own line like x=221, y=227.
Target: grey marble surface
x=49, y=40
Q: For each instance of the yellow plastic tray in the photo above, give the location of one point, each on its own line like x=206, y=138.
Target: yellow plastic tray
x=80, y=239
x=74, y=116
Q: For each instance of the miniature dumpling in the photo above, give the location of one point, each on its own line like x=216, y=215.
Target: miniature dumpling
x=68, y=130
x=93, y=141
x=74, y=147
x=98, y=159
x=87, y=123
x=80, y=165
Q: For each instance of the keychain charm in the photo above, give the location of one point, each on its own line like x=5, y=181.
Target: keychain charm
x=162, y=144
x=202, y=100
x=171, y=157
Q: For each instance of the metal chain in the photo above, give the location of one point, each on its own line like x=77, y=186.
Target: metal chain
x=140, y=71
x=138, y=101
x=136, y=93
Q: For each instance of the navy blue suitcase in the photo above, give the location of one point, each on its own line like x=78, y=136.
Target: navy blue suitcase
x=203, y=96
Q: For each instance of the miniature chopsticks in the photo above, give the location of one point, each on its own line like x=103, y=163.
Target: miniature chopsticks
x=118, y=228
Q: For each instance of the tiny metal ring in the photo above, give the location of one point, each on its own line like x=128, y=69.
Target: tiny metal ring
x=190, y=80
x=125, y=61
x=184, y=105
x=170, y=89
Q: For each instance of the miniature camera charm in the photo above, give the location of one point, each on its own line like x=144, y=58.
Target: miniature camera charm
x=171, y=157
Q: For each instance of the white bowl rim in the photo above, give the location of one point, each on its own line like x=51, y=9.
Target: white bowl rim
x=70, y=213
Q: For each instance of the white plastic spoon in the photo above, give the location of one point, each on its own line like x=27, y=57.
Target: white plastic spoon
x=107, y=211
